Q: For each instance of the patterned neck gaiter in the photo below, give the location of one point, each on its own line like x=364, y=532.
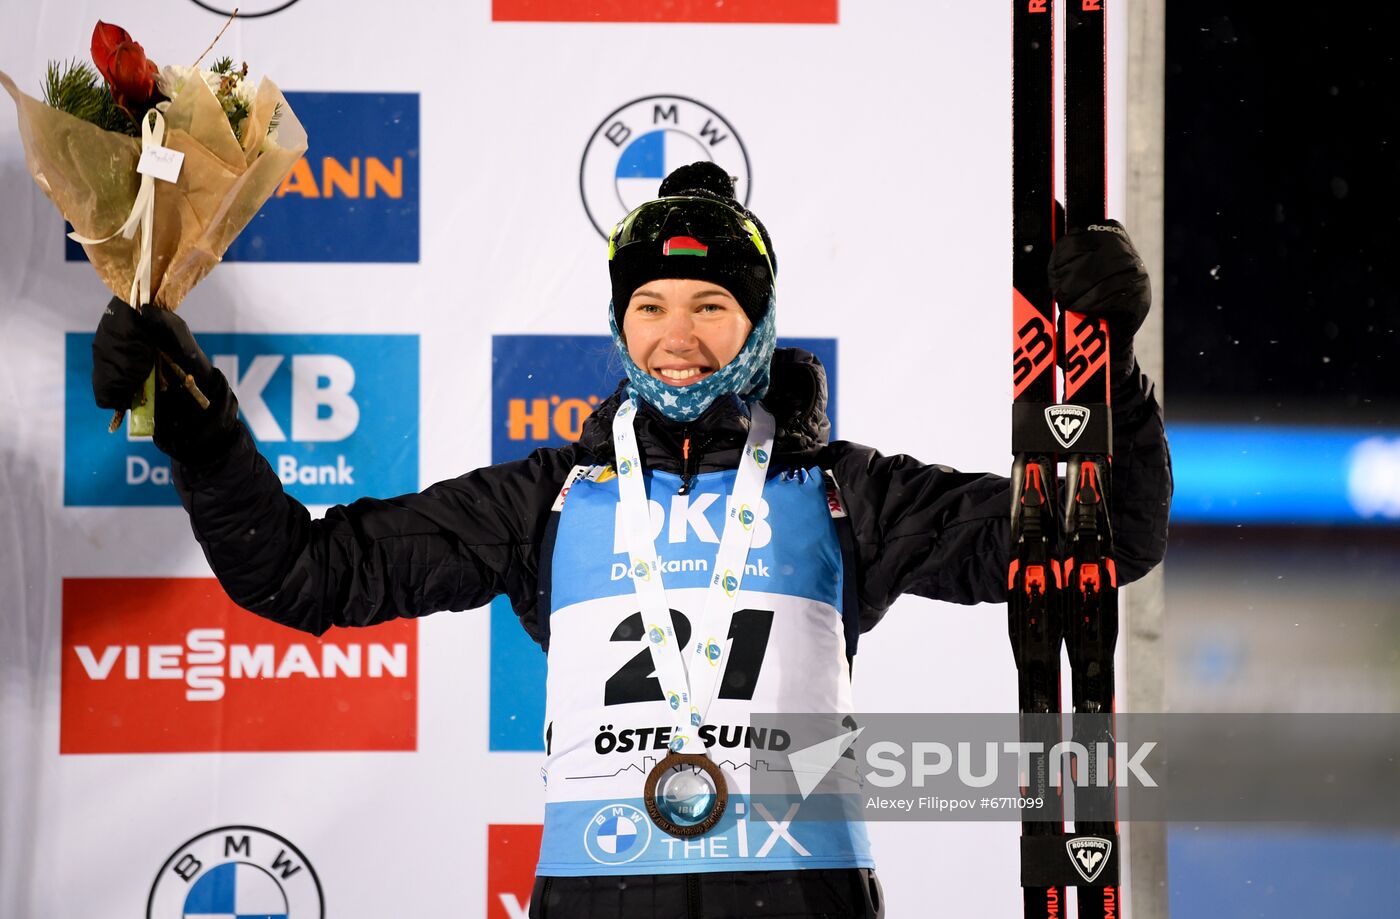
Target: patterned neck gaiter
x=746, y=376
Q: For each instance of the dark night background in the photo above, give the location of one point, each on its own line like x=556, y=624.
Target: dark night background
x=1281, y=308
x=1282, y=189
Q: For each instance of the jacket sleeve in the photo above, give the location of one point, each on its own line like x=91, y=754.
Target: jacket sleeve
x=939, y=533
x=453, y=546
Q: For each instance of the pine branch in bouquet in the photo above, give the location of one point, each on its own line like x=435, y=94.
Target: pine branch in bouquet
x=74, y=87
x=235, y=104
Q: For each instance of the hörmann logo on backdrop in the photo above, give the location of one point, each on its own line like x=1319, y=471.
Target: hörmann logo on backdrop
x=171, y=665
x=543, y=387
x=352, y=198
x=335, y=415
x=512, y=851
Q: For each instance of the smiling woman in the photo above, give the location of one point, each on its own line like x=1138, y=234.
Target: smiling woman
x=701, y=552
x=681, y=331
x=692, y=312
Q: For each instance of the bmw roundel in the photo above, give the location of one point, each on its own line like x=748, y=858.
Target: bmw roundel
x=637, y=145
x=617, y=834
x=236, y=871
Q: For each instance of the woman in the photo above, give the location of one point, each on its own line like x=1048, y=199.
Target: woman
x=780, y=549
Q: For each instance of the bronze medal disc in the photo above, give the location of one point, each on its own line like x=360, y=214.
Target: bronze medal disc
x=686, y=794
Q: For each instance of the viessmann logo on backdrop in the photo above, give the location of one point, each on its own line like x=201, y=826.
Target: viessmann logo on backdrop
x=543, y=387
x=512, y=850
x=170, y=665
x=821, y=12
x=335, y=415
x=352, y=198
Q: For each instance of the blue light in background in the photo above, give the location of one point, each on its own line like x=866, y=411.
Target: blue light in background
x=1225, y=872
x=1284, y=475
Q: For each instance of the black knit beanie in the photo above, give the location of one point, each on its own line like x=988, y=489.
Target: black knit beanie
x=742, y=269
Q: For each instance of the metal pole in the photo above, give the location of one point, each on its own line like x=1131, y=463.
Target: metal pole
x=1144, y=602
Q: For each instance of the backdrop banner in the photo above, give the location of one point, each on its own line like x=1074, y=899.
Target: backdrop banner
x=425, y=294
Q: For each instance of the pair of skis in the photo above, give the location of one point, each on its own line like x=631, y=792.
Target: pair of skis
x=1062, y=581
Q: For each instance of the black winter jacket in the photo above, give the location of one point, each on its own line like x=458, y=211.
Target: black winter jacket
x=920, y=529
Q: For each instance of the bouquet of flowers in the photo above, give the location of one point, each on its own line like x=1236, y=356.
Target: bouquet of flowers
x=158, y=169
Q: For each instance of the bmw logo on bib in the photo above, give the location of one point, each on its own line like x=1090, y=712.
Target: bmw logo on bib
x=617, y=834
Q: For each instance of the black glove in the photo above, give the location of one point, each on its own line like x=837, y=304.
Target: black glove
x=1096, y=271
x=128, y=344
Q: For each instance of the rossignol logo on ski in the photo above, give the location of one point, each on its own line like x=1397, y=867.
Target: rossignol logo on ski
x=1089, y=855
x=1067, y=422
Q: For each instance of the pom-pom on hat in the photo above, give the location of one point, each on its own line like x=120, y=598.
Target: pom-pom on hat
x=695, y=229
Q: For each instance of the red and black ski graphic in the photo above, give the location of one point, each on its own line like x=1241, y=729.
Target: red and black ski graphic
x=1033, y=581
x=1062, y=580
x=1091, y=578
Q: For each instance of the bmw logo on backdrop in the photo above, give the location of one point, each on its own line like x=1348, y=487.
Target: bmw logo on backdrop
x=236, y=871
x=247, y=9
x=634, y=148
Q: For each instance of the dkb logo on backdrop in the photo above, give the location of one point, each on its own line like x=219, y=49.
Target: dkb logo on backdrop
x=352, y=198
x=543, y=387
x=335, y=415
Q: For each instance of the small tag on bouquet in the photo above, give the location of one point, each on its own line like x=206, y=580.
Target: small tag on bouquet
x=161, y=162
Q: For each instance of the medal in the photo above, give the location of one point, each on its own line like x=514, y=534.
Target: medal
x=686, y=793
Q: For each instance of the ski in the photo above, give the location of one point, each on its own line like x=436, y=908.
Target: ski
x=1034, y=606
x=1062, y=580
x=1091, y=578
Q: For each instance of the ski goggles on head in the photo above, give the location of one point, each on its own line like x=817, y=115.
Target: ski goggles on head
x=690, y=226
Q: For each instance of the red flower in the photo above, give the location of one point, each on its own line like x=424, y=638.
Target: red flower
x=123, y=64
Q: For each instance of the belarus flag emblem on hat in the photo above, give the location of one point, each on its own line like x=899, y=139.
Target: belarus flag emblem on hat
x=684, y=245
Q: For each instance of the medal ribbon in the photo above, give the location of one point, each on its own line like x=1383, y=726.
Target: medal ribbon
x=690, y=695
